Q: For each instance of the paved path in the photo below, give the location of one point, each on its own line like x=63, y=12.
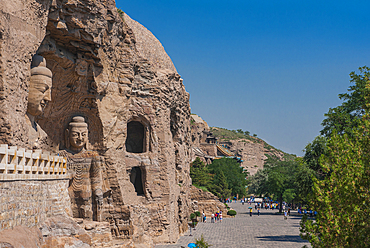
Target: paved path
x=266, y=230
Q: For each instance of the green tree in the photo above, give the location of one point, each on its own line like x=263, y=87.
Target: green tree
x=347, y=116
x=219, y=186
x=257, y=184
x=235, y=175
x=342, y=198
x=303, y=181
x=313, y=152
x=289, y=195
x=247, y=133
x=277, y=178
x=239, y=131
x=199, y=173
x=278, y=182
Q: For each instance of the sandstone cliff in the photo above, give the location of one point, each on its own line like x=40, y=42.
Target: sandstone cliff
x=252, y=150
x=113, y=73
x=206, y=202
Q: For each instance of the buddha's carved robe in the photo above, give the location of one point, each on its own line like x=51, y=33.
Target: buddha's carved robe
x=86, y=185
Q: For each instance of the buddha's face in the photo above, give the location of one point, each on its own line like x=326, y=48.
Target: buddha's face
x=39, y=94
x=78, y=137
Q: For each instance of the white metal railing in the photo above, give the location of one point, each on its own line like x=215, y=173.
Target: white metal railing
x=20, y=164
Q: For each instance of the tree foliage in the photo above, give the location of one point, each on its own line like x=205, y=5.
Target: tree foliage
x=342, y=198
x=303, y=181
x=199, y=173
x=235, y=175
x=257, y=183
x=224, y=177
x=347, y=116
x=219, y=186
x=313, y=152
x=283, y=180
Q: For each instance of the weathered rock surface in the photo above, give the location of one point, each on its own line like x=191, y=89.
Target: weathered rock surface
x=20, y=237
x=106, y=72
x=252, y=153
x=206, y=202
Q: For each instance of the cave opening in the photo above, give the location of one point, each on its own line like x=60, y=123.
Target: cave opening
x=135, y=141
x=136, y=178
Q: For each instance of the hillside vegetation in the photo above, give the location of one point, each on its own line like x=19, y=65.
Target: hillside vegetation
x=225, y=135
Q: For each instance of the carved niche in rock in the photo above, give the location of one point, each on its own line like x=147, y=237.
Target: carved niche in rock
x=136, y=178
x=138, y=136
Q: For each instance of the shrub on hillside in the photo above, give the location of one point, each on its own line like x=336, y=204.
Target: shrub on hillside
x=197, y=213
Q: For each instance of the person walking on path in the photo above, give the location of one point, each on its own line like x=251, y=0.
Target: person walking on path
x=285, y=215
x=220, y=216
x=212, y=218
x=250, y=211
x=258, y=212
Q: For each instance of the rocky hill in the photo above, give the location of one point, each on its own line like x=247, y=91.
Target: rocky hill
x=252, y=150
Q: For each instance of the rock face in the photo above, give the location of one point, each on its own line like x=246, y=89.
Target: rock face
x=251, y=150
x=21, y=236
x=252, y=153
x=206, y=202
x=199, y=133
x=60, y=231
x=128, y=92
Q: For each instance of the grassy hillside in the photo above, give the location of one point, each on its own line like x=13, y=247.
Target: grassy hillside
x=224, y=134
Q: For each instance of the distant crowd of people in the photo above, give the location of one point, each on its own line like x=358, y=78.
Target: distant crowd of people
x=217, y=217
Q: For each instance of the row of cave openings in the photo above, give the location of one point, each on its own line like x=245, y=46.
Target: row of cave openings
x=138, y=136
x=137, y=142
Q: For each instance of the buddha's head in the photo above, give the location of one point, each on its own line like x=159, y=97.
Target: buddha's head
x=40, y=86
x=77, y=134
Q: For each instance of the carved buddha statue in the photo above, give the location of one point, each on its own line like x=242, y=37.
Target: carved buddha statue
x=38, y=97
x=86, y=184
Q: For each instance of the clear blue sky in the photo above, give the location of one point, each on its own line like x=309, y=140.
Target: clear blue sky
x=273, y=68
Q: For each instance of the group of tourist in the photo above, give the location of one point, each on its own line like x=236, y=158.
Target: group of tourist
x=214, y=217
x=304, y=211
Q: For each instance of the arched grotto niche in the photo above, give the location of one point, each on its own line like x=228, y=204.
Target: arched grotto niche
x=136, y=178
x=136, y=137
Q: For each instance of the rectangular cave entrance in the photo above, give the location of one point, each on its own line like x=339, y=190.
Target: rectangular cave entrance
x=136, y=178
x=135, y=141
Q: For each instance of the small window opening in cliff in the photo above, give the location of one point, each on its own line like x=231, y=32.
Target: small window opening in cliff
x=136, y=178
x=135, y=141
